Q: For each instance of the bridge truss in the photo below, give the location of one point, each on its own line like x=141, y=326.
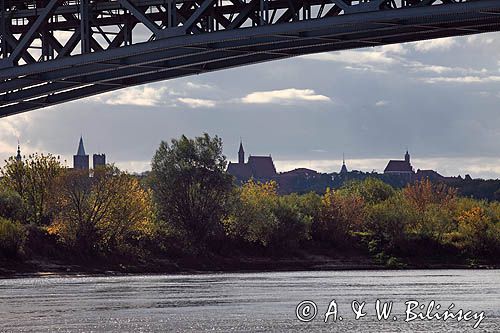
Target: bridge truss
x=53, y=51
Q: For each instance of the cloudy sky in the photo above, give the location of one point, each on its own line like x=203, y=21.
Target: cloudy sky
x=437, y=98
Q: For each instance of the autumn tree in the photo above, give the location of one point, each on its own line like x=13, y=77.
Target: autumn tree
x=191, y=187
x=479, y=234
x=102, y=213
x=33, y=179
x=253, y=218
x=434, y=204
x=341, y=213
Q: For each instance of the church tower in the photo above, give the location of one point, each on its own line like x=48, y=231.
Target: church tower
x=241, y=154
x=343, y=170
x=18, y=156
x=81, y=160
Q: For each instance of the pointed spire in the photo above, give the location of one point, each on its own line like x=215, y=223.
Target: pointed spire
x=81, y=148
x=241, y=146
x=241, y=153
x=344, y=168
x=407, y=156
x=18, y=156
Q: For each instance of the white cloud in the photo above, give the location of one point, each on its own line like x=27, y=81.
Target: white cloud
x=394, y=48
x=354, y=57
x=381, y=103
x=140, y=96
x=435, y=44
x=284, y=96
x=480, y=39
x=11, y=129
x=462, y=79
x=197, y=102
x=194, y=85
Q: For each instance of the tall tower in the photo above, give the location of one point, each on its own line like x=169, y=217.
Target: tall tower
x=99, y=160
x=241, y=154
x=407, y=156
x=18, y=156
x=81, y=160
x=344, y=168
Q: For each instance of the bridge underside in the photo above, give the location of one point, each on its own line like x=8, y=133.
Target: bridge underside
x=212, y=35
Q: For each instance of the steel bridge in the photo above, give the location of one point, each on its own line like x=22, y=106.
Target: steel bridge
x=53, y=51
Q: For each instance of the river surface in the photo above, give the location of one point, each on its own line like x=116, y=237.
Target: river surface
x=248, y=302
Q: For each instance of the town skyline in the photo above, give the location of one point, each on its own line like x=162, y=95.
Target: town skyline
x=281, y=166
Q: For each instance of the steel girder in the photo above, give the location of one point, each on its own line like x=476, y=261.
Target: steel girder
x=53, y=51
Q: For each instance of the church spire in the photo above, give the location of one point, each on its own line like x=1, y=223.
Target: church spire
x=81, y=148
x=241, y=153
x=407, y=156
x=18, y=156
x=344, y=168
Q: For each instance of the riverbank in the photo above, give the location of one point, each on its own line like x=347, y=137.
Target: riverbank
x=217, y=263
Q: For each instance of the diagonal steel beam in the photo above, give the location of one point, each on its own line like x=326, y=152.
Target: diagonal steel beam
x=30, y=34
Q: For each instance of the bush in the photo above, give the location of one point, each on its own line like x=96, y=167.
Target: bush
x=261, y=217
x=388, y=222
x=372, y=190
x=11, y=238
x=11, y=205
x=294, y=225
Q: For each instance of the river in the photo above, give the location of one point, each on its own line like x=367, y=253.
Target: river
x=251, y=302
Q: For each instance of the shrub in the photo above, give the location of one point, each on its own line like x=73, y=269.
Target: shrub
x=11, y=205
x=388, y=222
x=372, y=190
x=11, y=238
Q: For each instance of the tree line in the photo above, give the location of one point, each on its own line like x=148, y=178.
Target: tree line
x=188, y=205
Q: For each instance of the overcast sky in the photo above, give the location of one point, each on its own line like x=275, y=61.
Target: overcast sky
x=437, y=98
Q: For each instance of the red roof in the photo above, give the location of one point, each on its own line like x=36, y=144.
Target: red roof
x=262, y=166
x=398, y=166
x=239, y=170
x=259, y=167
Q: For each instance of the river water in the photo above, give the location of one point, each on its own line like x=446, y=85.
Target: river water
x=250, y=302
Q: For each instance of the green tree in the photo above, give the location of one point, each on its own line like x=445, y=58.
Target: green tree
x=33, y=179
x=191, y=187
x=261, y=217
x=11, y=237
x=11, y=205
x=372, y=190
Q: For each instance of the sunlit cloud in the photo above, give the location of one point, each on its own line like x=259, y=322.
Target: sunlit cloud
x=284, y=96
x=197, y=102
x=435, y=44
x=11, y=130
x=354, y=57
x=139, y=96
x=196, y=85
x=462, y=79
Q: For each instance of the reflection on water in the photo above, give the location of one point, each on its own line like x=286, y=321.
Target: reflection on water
x=243, y=302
